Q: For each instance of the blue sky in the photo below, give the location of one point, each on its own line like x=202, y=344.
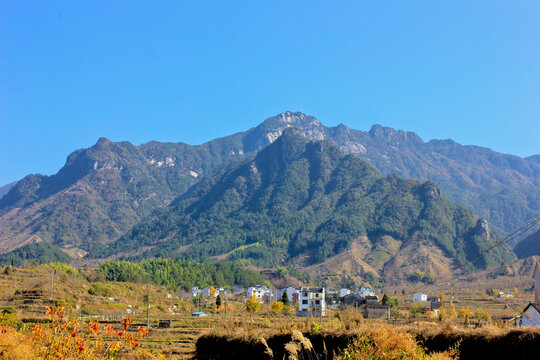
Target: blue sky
x=72, y=71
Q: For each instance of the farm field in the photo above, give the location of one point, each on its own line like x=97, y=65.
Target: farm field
x=25, y=294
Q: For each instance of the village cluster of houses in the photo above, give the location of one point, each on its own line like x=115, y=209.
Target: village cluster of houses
x=310, y=301
x=314, y=301
x=530, y=315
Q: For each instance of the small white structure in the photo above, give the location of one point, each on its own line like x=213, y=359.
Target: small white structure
x=419, y=297
x=260, y=291
x=509, y=294
x=311, y=302
x=222, y=291
x=366, y=291
x=344, y=292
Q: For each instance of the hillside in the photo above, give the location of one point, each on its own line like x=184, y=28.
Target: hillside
x=5, y=189
x=103, y=191
x=529, y=246
x=300, y=202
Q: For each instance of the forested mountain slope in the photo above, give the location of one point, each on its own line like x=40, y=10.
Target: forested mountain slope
x=301, y=203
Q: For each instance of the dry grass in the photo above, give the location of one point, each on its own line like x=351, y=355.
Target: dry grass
x=72, y=292
x=389, y=343
x=15, y=345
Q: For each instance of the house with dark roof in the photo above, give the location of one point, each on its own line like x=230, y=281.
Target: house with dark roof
x=530, y=317
x=368, y=305
x=531, y=313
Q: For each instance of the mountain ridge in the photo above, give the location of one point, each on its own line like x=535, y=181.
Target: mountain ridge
x=302, y=202
x=104, y=190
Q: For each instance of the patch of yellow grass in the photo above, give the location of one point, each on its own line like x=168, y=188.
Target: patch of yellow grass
x=388, y=343
x=15, y=345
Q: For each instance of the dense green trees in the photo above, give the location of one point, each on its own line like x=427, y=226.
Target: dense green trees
x=176, y=274
x=42, y=252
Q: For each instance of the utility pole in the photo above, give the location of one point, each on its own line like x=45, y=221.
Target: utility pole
x=52, y=282
x=147, y=299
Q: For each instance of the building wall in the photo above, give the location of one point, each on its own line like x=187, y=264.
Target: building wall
x=255, y=291
x=377, y=312
x=292, y=294
x=307, y=302
x=537, y=287
x=531, y=317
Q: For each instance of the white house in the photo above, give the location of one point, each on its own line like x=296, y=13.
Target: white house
x=419, y=297
x=260, y=291
x=344, y=292
x=311, y=302
x=366, y=291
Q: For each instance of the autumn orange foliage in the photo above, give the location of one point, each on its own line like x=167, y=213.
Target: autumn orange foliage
x=63, y=339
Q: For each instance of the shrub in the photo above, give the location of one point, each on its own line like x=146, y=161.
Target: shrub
x=277, y=307
x=70, y=270
x=99, y=289
x=253, y=305
x=386, y=342
x=64, y=339
x=482, y=315
x=417, y=309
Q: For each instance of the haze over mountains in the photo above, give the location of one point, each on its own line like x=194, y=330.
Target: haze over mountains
x=103, y=191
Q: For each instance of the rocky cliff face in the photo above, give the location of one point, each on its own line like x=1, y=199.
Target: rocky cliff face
x=482, y=228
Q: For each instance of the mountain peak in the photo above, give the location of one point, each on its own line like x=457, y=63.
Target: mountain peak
x=391, y=135
x=103, y=141
x=290, y=118
x=272, y=128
